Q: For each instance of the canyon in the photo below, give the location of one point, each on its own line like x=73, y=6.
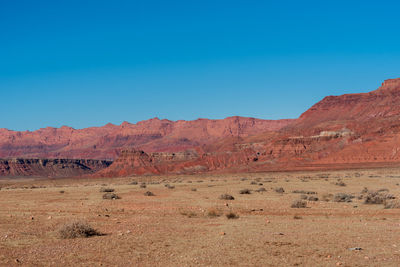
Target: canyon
x=347, y=131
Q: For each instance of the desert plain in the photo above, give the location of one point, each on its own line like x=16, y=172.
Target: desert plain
x=185, y=223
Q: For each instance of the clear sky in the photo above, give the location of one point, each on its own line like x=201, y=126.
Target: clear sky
x=89, y=62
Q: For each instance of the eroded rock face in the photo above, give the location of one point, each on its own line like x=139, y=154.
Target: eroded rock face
x=19, y=167
x=339, y=131
x=350, y=130
x=106, y=142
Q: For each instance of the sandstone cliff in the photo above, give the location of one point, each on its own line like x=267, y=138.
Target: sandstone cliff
x=50, y=167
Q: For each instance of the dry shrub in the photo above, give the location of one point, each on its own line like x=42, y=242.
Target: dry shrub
x=77, y=229
x=62, y=192
x=189, y=214
x=280, y=190
x=304, y=197
x=111, y=196
x=343, y=197
x=108, y=190
x=312, y=198
x=327, y=197
x=340, y=183
x=261, y=189
x=213, y=212
x=149, y=194
x=304, y=192
x=253, y=182
x=170, y=186
x=226, y=197
x=143, y=185
x=194, y=189
x=376, y=197
x=297, y=217
x=245, y=191
x=299, y=204
x=392, y=204
x=232, y=215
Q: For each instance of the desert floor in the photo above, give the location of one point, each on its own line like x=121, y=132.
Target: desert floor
x=181, y=227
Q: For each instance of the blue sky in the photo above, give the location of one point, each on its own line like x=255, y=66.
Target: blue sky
x=87, y=63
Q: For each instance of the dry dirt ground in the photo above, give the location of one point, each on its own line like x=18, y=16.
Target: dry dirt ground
x=174, y=227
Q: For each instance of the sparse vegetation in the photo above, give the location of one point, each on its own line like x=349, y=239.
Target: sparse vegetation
x=304, y=192
x=392, y=204
x=261, y=189
x=212, y=212
x=149, y=194
x=143, y=185
x=280, y=190
x=133, y=183
x=189, y=214
x=194, y=189
x=343, y=197
x=77, y=229
x=245, y=191
x=232, y=215
x=299, y=204
x=376, y=197
x=226, y=197
x=297, y=217
x=340, y=183
x=109, y=190
x=327, y=197
x=312, y=198
x=111, y=196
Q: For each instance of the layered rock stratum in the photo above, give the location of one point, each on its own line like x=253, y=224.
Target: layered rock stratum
x=347, y=131
x=352, y=130
x=19, y=167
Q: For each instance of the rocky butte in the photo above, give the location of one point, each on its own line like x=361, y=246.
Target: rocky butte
x=352, y=130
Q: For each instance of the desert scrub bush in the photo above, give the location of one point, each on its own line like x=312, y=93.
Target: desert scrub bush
x=149, y=194
x=343, y=197
x=231, y=215
x=304, y=197
x=312, y=198
x=304, y=192
x=105, y=190
x=143, y=185
x=193, y=189
x=392, y=204
x=280, y=190
x=253, y=182
x=375, y=197
x=226, y=197
x=340, y=183
x=170, y=186
x=245, y=191
x=326, y=197
x=213, y=212
x=189, y=214
x=61, y=191
x=133, y=183
x=77, y=229
x=297, y=217
x=111, y=196
x=261, y=189
x=299, y=204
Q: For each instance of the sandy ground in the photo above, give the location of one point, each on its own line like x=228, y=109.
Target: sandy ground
x=173, y=228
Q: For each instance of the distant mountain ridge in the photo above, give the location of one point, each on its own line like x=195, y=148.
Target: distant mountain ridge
x=107, y=141
x=347, y=131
